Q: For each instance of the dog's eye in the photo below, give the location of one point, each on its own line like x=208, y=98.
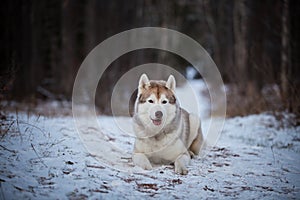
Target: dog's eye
x=164, y=102
x=150, y=101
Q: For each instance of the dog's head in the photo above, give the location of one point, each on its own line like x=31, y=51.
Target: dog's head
x=156, y=102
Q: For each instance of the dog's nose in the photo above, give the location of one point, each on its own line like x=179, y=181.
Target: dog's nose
x=158, y=114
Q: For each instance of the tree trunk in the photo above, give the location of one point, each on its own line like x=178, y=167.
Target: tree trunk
x=240, y=46
x=285, y=60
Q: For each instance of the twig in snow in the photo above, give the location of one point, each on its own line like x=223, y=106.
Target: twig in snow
x=12, y=151
x=273, y=154
x=45, y=134
x=38, y=156
x=18, y=125
x=57, y=143
x=7, y=129
x=2, y=193
x=37, y=119
x=127, y=158
x=96, y=166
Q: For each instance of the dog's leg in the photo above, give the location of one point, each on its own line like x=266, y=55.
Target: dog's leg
x=181, y=164
x=141, y=160
x=197, y=143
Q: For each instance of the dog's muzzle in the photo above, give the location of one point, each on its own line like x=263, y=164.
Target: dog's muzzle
x=158, y=118
x=156, y=115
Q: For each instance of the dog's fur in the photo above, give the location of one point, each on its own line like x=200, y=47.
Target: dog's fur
x=165, y=133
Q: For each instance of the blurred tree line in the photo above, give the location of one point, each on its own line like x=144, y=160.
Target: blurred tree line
x=255, y=45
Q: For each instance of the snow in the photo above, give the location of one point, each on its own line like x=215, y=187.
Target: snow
x=42, y=157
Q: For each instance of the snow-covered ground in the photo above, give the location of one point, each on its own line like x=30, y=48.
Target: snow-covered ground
x=256, y=157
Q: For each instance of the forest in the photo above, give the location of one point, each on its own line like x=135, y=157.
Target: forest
x=255, y=45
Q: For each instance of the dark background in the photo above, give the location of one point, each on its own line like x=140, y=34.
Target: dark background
x=255, y=45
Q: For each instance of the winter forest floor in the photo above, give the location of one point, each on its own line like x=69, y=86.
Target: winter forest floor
x=43, y=157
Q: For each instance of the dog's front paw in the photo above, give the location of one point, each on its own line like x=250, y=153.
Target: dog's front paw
x=181, y=164
x=142, y=161
x=180, y=169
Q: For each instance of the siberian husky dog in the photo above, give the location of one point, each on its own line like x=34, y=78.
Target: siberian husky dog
x=165, y=133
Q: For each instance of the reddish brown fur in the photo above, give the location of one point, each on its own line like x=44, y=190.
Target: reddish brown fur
x=157, y=88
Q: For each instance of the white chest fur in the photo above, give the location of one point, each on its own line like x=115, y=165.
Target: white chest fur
x=163, y=148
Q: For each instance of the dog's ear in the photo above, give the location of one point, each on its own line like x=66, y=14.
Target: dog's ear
x=143, y=82
x=171, y=83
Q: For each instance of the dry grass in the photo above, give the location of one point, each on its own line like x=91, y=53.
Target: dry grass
x=245, y=101
x=39, y=107
x=242, y=102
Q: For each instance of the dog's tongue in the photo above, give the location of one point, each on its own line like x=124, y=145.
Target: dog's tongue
x=156, y=122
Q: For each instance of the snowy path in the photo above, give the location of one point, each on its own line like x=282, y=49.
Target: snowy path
x=43, y=158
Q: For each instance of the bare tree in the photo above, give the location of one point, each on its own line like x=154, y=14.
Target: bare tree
x=285, y=54
x=240, y=45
